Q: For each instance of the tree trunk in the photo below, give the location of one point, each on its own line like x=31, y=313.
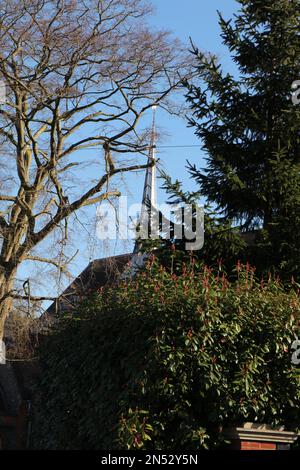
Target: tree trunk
x=6, y=302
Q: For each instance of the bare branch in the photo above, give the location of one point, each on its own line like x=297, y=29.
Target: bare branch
x=78, y=74
x=40, y=259
x=7, y=198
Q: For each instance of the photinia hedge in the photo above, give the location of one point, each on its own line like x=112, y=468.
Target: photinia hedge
x=165, y=361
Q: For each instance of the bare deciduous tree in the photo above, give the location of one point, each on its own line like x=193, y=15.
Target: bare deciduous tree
x=78, y=73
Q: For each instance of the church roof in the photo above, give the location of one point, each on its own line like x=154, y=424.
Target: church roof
x=97, y=274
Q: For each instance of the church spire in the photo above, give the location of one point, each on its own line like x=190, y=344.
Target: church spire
x=149, y=201
x=149, y=194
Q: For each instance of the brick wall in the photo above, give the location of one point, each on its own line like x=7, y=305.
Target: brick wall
x=251, y=445
x=255, y=436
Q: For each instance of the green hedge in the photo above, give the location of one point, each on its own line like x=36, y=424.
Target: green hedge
x=166, y=361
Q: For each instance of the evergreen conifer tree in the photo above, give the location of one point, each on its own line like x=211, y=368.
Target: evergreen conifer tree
x=250, y=126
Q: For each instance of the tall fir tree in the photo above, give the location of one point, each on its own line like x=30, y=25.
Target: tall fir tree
x=246, y=122
x=250, y=129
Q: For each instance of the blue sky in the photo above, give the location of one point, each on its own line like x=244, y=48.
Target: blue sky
x=197, y=19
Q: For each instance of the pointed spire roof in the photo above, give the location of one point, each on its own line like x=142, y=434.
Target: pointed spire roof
x=150, y=191
x=149, y=201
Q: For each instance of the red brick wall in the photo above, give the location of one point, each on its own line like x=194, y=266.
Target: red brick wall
x=252, y=445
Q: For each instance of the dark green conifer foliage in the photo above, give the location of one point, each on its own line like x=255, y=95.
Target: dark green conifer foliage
x=246, y=122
